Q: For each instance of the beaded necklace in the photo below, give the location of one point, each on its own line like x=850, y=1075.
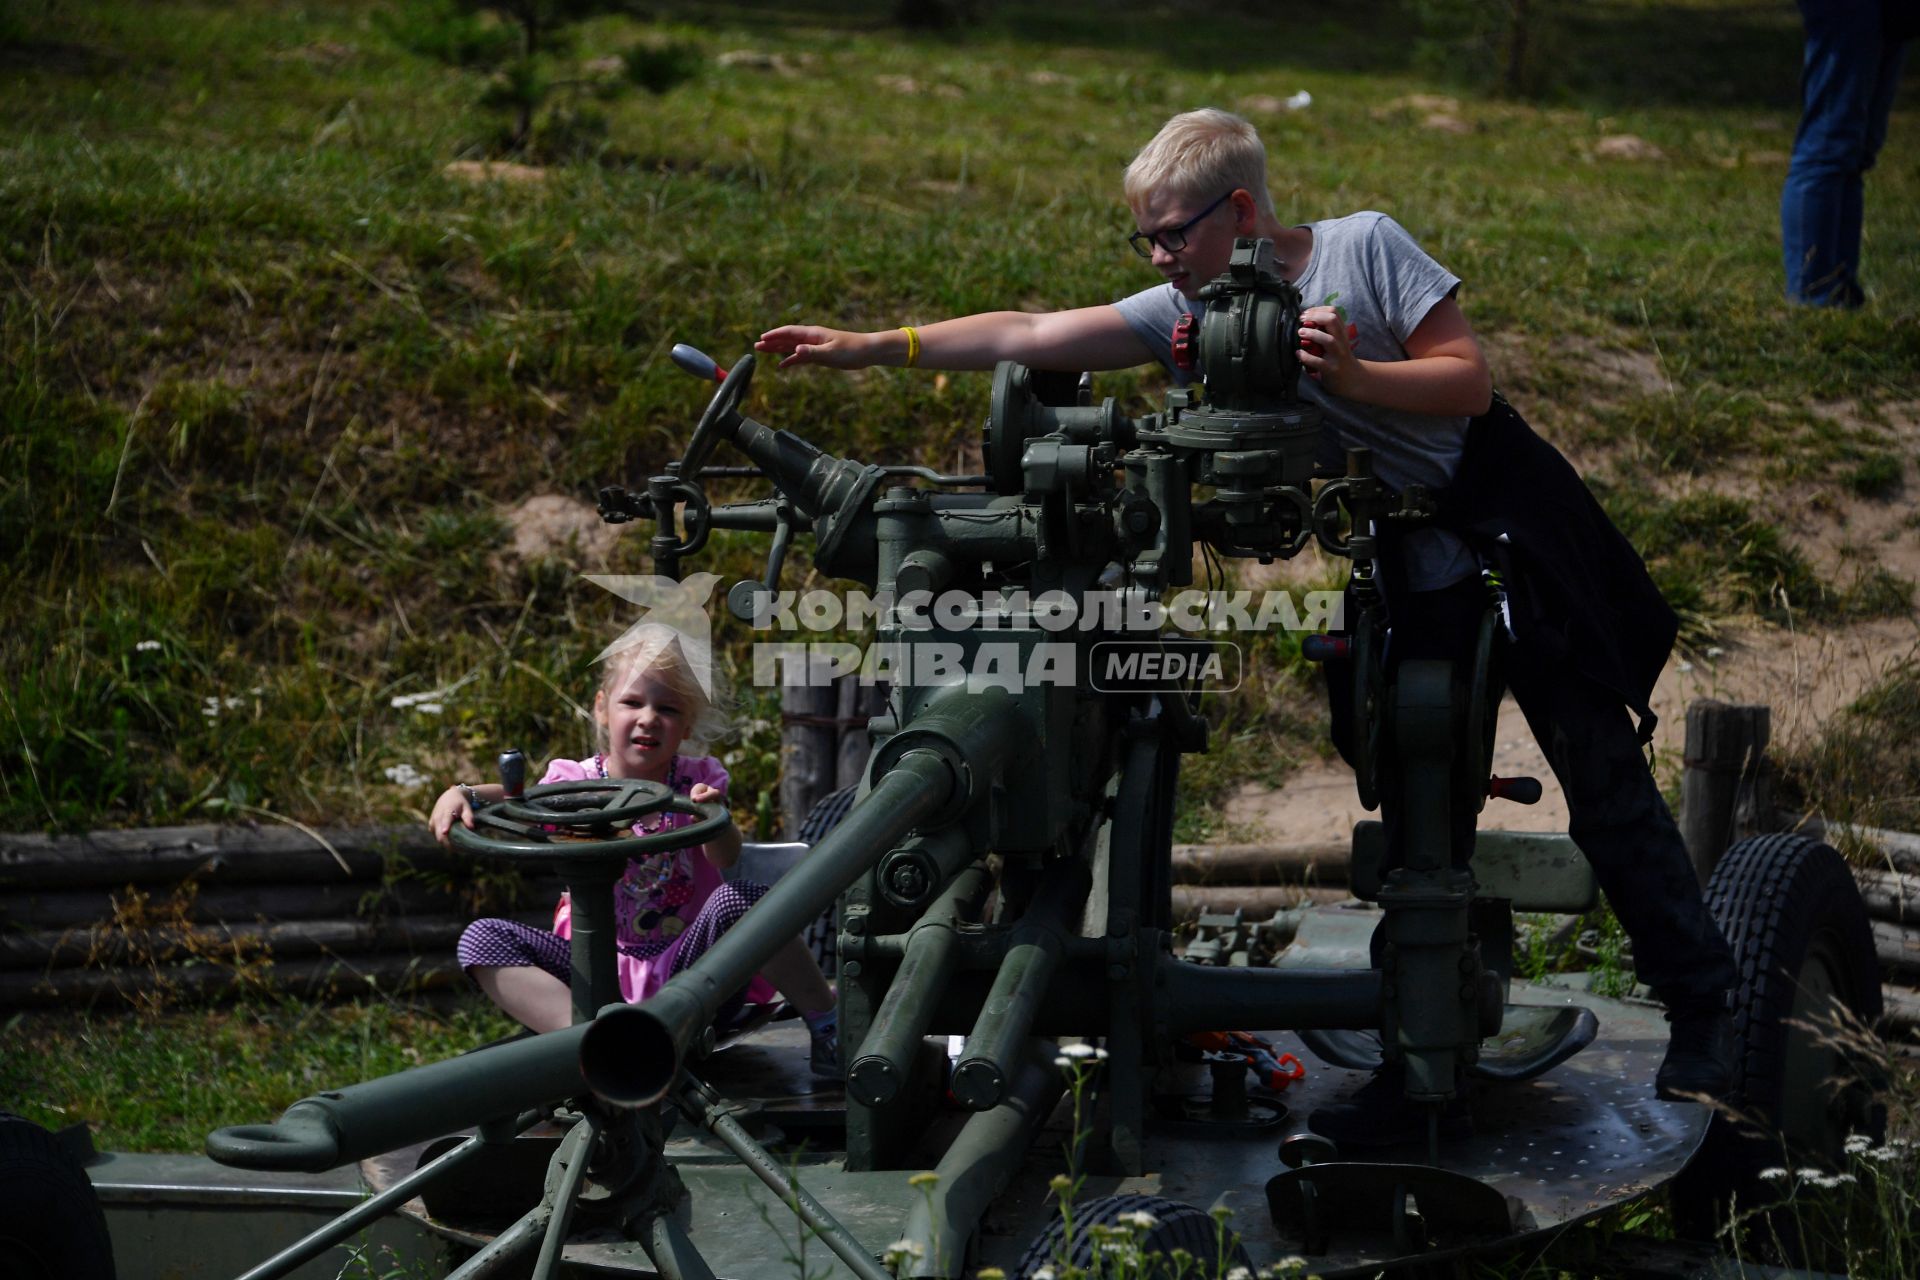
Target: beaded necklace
x=658, y=868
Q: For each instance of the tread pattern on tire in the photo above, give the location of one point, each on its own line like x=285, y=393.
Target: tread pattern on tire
x=1759, y=891
x=1772, y=896
x=1179, y=1226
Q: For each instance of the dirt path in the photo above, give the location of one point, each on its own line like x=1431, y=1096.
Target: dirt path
x=1805, y=676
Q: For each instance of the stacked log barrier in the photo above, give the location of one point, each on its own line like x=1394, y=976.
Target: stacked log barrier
x=1258, y=880
x=206, y=912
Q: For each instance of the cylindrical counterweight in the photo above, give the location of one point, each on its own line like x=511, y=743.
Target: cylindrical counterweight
x=886, y=1056
x=1190, y=997
x=1006, y=1020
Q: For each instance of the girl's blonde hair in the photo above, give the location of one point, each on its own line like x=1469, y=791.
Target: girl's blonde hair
x=678, y=661
x=1201, y=155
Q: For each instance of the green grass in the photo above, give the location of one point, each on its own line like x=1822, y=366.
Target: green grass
x=271, y=376
x=1865, y=765
x=161, y=1082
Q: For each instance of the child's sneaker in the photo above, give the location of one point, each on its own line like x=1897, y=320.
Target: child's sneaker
x=825, y=1058
x=823, y=1029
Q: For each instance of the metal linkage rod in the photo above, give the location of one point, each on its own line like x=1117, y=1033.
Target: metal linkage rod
x=672, y=1250
x=575, y=1154
x=501, y=1252
x=314, y=1244
x=706, y=1107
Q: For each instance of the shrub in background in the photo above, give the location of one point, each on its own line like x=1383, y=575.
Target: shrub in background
x=1498, y=44
x=526, y=49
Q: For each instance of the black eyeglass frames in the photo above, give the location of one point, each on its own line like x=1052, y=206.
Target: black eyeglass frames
x=1172, y=239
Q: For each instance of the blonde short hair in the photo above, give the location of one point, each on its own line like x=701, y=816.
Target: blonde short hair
x=673, y=658
x=1201, y=155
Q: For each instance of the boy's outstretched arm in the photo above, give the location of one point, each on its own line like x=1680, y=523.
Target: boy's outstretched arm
x=1084, y=338
x=1444, y=373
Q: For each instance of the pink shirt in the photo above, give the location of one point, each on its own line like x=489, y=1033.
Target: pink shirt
x=659, y=897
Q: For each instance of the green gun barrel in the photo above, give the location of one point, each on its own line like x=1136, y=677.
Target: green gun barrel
x=928, y=774
x=344, y=1125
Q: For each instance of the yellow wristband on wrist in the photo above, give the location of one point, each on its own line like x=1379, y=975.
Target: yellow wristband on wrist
x=913, y=344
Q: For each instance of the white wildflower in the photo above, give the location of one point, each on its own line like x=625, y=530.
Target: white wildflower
x=1807, y=1174
x=906, y=1248
x=405, y=775
x=433, y=701
x=1140, y=1218
x=1772, y=1175
x=1064, y=1063
x=1239, y=1273
x=1291, y=1265
x=146, y=646
x=1042, y=1273
x=1857, y=1143
x=1885, y=1154
x=1077, y=1050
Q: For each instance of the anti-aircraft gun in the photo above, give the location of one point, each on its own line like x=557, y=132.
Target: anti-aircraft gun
x=1004, y=875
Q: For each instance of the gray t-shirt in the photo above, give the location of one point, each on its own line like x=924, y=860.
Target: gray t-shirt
x=1387, y=284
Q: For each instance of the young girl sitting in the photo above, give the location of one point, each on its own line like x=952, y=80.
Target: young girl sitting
x=669, y=908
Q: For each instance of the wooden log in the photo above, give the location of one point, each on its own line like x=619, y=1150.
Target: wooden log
x=67, y=908
x=858, y=703
x=1224, y=864
x=320, y=977
x=103, y=945
x=1902, y=1018
x=239, y=854
x=1900, y=849
x=1897, y=949
x=1722, y=784
x=1889, y=897
x=1260, y=902
x=808, y=711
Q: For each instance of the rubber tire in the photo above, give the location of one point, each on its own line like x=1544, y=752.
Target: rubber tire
x=1783, y=901
x=51, y=1223
x=1180, y=1226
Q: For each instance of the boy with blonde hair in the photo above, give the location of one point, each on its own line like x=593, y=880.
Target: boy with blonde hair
x=1404, y=378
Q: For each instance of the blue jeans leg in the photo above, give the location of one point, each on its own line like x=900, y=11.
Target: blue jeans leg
x=1847, y=85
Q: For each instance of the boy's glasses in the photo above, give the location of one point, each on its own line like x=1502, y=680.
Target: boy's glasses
x=1172, y=239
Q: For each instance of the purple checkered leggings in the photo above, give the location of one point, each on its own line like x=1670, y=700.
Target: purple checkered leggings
x=510, y=944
